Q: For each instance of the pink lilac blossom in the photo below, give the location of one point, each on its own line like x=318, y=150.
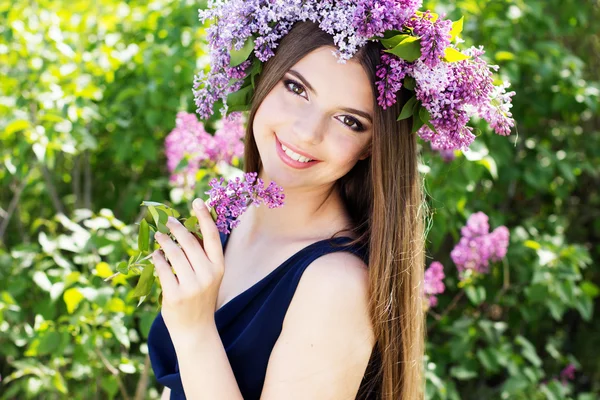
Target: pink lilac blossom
x=567, y=374
x=231, y=199
x=477, y=246
x=451, y=92
x=434, y=276
x=190, y=139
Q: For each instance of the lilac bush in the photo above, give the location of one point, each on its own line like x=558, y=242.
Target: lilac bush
x=189, y=138
x=478, y=246
x=433, y=284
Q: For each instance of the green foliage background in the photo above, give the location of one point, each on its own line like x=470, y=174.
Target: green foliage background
x=90, y=90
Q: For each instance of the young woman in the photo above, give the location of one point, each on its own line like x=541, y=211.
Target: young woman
x=322, y=298
x=361, y=184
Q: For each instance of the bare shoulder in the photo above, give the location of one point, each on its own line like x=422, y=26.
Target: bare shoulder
x=327, y=336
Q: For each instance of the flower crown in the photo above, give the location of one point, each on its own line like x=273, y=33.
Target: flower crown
x=421, y=54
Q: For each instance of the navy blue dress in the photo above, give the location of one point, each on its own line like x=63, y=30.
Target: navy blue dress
x=248, y=324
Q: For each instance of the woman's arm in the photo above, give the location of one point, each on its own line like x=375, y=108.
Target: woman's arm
x=166, y=394
x=327, y=336
x=204, y=367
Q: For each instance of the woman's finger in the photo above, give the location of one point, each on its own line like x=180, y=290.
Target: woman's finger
x=168, y=281
x=212, y=239
x=177, y=258
x=189, y=244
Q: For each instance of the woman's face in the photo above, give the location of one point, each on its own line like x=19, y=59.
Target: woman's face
x=320, y=110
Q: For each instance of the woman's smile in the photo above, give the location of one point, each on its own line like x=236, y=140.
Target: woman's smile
x=294, y=158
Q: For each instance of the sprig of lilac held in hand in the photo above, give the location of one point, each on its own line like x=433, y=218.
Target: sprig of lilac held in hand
x=230, y=200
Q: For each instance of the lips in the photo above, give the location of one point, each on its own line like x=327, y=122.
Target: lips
x=290, y=161
x=295, y=150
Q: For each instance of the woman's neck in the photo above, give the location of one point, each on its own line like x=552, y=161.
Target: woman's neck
x=306, y=214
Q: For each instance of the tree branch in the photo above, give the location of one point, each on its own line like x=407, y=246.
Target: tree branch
x=114, y=372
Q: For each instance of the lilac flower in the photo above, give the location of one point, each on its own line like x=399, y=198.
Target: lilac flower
x=447, y=155
x=434, y=284
x=374, y=17
x=451, y=92
x=434, y=34
x=231, y=199
x=478, y=246
x=189, y=139
x=391, y=71
x=567, y=374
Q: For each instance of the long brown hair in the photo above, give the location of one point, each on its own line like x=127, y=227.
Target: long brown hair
x=384, y=197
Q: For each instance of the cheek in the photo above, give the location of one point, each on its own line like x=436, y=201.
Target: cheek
x=346, y=150
x=272, y=110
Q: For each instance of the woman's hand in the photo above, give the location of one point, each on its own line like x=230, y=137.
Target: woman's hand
x=190, y=296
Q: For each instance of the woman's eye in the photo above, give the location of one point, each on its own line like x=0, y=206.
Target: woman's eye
x=294, y=87
x=352, y=123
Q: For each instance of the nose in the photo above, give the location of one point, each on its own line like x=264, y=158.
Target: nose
x=309, y=128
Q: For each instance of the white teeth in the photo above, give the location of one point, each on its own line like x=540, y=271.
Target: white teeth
x=294, y=156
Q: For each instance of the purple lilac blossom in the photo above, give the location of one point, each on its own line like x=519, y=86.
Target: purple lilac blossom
x=190, y=139
x=434, y=34
x=452, y=92
x=447, y=155
x=231, y=199
x=391, y=72
x=567, y=374
x=478, y=246
x=434, y=276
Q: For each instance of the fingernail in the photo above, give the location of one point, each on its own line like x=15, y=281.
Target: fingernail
x=197, y=203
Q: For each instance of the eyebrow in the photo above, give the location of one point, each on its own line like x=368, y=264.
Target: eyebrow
x=347, y=109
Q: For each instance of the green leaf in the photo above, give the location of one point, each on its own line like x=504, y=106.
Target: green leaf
x=490, y=164
x=144, y=236
x=425, y=117
x=123, y=267
x=453, y=55
x=241, y=55
x=240, y=99
x=48, y=342
x=417, y=124
x=489, y=359
x=59, y=382
x=145, y=282
x=462, y=373
x=408, y=109
x=191, y=223
x=120, y=332
x=160, y=219
x=182, y=165
x=152, y=203
x=585, y=306
x=408, y=49
x=528, y=350
x=394, y=41
x=410, y=83
x=476, y=294
x=457, y=27
x=590, y=289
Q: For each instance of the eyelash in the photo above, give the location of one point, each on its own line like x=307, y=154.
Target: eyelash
x=359, y=127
